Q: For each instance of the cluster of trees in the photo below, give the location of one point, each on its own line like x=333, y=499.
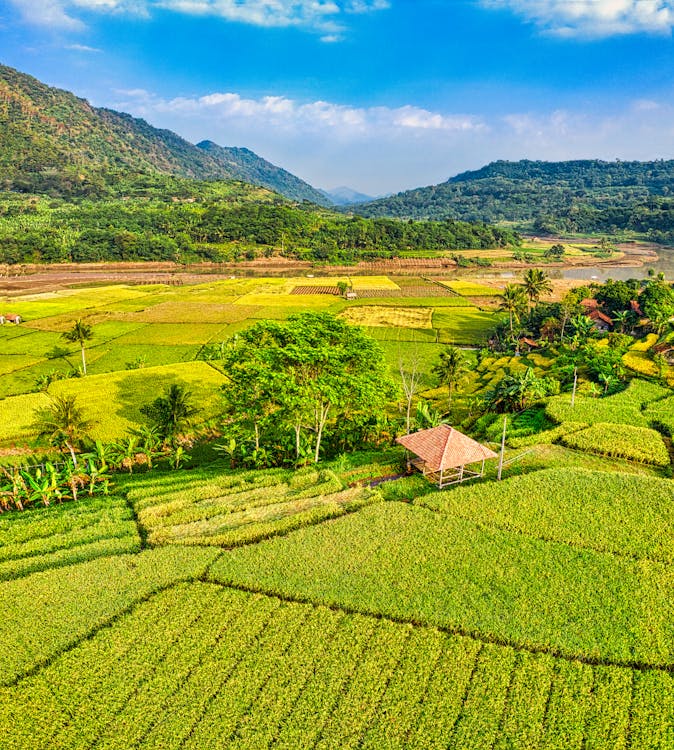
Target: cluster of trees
x=219, y=228
x=549, y=197
x=303, y=388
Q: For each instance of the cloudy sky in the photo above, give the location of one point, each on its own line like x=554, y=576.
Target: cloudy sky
x=378, y=95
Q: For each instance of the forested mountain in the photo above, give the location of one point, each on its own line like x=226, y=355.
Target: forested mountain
x=572, y=196
x=54, y=142
x=250, y=167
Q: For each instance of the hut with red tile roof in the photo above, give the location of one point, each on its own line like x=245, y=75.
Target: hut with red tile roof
x=443, y=453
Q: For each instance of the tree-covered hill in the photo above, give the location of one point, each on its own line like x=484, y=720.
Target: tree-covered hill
x=53, y=142
x=572, y=196
x=250, y=167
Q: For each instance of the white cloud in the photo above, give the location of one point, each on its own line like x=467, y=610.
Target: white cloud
x=324, y=16
x=384, y=149
x=82, y=48
x=329, y=119
x=594, y=18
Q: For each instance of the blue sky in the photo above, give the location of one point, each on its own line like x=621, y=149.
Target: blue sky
x=379, y=95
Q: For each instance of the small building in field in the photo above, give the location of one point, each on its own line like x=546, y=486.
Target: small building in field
x=10, y=318
x=601, y=320
x=443, y=453
x=528, y=344
x=351, y=294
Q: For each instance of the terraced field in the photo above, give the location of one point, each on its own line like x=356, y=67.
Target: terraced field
x=389, y=627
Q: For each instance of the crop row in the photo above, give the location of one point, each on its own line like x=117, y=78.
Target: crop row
x=626, y=407
x=639, y=444
x=234, y=509
x=408, y=563
x=201, y=667
x=46, y=612
x=609, y=512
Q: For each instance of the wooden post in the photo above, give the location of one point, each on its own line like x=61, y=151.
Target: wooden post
x=482, y=469
x=575, y=383
x=503, y=437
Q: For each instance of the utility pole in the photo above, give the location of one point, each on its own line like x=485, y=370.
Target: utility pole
x=503, y=437
x=575, y=383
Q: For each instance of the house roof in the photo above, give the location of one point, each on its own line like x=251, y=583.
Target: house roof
x=529, y=342
x=443, y=447
x=11, y=316
x=599, y=315
x=589, y=303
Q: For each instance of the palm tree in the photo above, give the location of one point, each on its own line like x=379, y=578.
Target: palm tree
x=621, y=319
x=514, y=302
x=80, y=333
x=536, y=283
x=171, y=413
x=62, y=424
x=449, y=370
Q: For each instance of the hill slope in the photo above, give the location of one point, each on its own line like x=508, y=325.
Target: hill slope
x=53, y=141
x=583, y=196
x=250, y=167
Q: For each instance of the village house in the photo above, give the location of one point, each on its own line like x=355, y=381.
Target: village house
x=10, y=318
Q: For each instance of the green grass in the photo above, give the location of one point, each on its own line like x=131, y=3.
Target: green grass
x=626, y=407
x=408, y=563
x=471, y=289
x=163, y=334
x=464, y=326
x=47, y=612
x=114, y=400
x=621, y=441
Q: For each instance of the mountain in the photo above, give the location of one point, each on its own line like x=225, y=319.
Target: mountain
x=346, y=196
x=584, y=195
x=53, y=141
x=250, y=167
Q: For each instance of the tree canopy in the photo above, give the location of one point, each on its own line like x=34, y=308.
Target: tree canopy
x=301, y=378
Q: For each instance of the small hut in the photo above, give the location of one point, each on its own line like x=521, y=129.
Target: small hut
x=443, y=453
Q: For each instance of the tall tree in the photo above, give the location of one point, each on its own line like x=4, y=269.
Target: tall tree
x=305, y=372
x=514, y=302
x=80, y=333
x=449, y=370
x=62, y=424
x=410, y=380
x=536, y=283
x=171, y=413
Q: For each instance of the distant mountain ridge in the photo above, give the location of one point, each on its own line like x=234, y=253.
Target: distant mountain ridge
x=580, y=195
x=345, y=196
x=54, y=141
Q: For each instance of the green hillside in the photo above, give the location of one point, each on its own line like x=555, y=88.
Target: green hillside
x=573, y=196
x=249, y=167
x=52, y=141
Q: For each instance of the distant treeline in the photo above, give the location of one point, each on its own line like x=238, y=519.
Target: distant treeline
x=587, y=196
x=239, y=222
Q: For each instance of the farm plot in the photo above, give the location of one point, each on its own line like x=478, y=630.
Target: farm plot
x=389, y=317
x=410, y=564
x=228, y=510
x=626, y=407
x=171, y=334
x=605, y=511
x=114, y=399
x=46, y=538
x=198, y=666
x=471, y=289
x=620, y=441
x=47, y=612
x=463, y=325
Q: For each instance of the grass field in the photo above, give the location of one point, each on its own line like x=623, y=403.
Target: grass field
x=392, y=317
